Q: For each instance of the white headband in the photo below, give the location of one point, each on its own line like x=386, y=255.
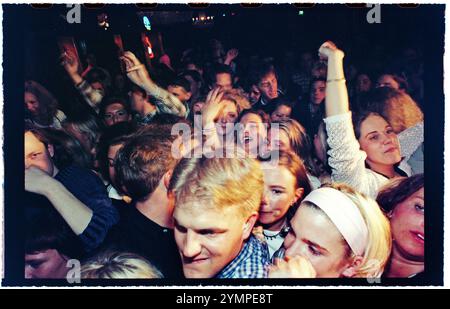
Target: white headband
x=344, y=214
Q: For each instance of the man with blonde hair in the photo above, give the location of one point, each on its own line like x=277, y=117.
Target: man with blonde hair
x=216, y=207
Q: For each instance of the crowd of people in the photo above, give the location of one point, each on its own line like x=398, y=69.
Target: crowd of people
x=211, y=170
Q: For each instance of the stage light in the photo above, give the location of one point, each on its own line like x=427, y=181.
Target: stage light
x=300, y=12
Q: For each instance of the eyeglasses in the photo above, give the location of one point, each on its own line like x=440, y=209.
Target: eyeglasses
x=119, y=113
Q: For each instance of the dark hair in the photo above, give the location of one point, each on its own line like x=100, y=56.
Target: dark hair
x=402, y=82
x=263, y=70
x=194, y=74
x=109, y=100
x=315, y=80
x=398, y=190
x=265, y=118
x=182, y=82
x=48, y=230
x=136, y=88
x=142, y=162
x=358, y=118
x=278, y=101
x=67, y=149
x=113, y=135
x=47, y=103
x=219, y=68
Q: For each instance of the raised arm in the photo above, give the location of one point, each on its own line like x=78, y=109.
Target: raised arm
x=92, y=96
x=164, y=100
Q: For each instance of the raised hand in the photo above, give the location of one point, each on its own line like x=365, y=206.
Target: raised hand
x=212, y=107
x=70, y=63
x=231, y=55
x=136, y=71
x=329, y=49
x=296, y=267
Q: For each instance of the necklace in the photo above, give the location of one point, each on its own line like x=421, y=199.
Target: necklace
x=282, y=233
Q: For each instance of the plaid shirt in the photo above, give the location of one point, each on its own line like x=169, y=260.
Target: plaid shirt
x=252, y=261
x=166, y=102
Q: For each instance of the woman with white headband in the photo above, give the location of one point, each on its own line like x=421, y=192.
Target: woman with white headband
x=336, y=232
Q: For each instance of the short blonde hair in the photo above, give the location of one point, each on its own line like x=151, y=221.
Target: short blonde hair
x=119, y=265
x=219, y=183
x=377, y=252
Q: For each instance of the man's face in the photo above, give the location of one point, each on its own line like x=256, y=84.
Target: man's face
x=223, y=81
x=36, y=154
x=208, y=239
x=179, y=92
x=115, y=113
x=269, y=86
x=48, y=264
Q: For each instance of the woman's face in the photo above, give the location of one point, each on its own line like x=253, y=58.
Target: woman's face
x=228, y=115
x=407, y=225
x=318, y=91
x=282, y=113
x=363, y=83
x=379, y=142
x=279, y=195
x=316, y=238
x=252, y=132
x=31, y=103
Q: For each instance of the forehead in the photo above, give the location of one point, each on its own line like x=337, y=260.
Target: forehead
x=268, y=77
x=277, y=176
x=250, y=117
x=177, y=89
x=373, y=123
x=314, y=225
x=196, y=215
x=223, y=77
x=386, y=78
x=318, y=84
x=32, y=142
x=228, y=106
x=114, y=106
x=283, y=108
x=30, y=96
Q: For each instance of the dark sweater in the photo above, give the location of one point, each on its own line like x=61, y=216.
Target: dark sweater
x=86, y=186
x=138, y=234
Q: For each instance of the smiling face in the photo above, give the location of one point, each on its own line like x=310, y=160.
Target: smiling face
x=208, y=239
x=280, y=193
x=379, y=141
x=407, y=224
x=316, y=238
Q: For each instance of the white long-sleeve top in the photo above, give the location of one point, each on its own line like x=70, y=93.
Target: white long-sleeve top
x=347, y=160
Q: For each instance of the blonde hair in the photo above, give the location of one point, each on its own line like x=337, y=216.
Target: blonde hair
x=237, y=97
x=119, y=265
x=402, y=112
x=378, y=249
x=219, y=183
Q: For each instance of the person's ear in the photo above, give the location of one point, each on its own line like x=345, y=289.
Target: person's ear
x=51, y=150
x=166, y=178
x=390, y=214
x=351, y=269
x=249, y=224
x=298, y=194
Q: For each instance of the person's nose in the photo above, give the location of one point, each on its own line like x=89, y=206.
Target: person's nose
x=192, y=246
x=265, y=198
x=28, y=272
